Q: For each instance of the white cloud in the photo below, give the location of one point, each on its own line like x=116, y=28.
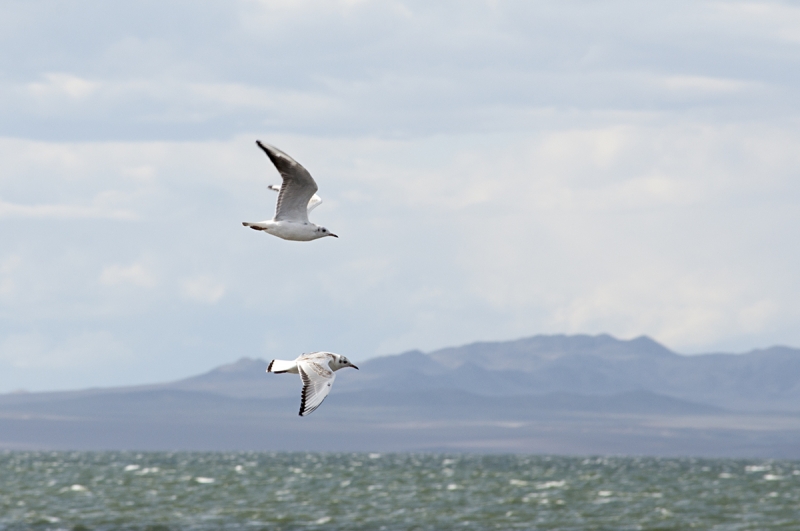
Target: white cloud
x=494, y=169
x=49, y=180
x=770, y=19
x=623, y=241
x=8, y=266
x=232, y=96
x=36, y=351
x=61, y=84
x=11, y=210
x=397, y=68
x=508, y=235
x=203, y=288
x=707, y=84
x=137, y=274
x=143, y=173
x=170, y=99
x=680, y=309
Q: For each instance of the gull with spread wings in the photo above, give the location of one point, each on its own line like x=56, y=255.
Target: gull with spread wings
x=317, y=370
x=297, y=196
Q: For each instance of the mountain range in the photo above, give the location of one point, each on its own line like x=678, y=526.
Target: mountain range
x=544, y=394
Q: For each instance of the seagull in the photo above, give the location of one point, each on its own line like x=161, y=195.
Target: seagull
x=317, y=370
x=296, y=198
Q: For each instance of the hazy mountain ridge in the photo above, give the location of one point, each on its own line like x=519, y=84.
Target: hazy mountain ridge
x=761, y=379
x=588, y=365
x=561, y=394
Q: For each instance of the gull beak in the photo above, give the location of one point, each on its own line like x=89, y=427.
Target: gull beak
x=353, y=366
x=332, y=234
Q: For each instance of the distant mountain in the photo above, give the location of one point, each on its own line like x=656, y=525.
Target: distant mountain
x=559, y=394
x=761, y=379
x=581, y=364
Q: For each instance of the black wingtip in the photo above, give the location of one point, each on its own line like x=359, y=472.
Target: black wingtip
x=306, y=383
x=269, y=369
x=265, y=148
x=274, y=154
x=268, y=148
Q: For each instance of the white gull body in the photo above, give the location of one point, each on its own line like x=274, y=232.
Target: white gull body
x=317, y=370
x=297, y=196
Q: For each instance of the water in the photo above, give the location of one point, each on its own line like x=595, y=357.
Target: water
x=213, y=491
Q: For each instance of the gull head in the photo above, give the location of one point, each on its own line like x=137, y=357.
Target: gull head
x=325, y=232
x=343, y=362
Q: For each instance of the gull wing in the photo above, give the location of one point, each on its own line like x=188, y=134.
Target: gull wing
x=317, y=381
x=297, y=189
x=312, y=203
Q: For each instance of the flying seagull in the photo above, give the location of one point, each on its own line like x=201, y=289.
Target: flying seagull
x=297, y=196
x=317, y=370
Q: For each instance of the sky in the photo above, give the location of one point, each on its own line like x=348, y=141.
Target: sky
x=494, y=169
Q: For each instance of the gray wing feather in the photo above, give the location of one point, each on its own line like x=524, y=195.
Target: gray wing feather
x=313, y=203
x=317, y=382
x=298, y=185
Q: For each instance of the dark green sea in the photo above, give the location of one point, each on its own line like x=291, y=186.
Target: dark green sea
x=254, y=491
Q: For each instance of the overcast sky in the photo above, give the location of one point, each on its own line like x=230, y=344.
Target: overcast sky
x=494, y=169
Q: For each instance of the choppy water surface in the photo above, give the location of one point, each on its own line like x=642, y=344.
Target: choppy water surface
x=160, y=491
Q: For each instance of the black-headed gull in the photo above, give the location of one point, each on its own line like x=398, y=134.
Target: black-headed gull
x=317, y=370
x=296, y=198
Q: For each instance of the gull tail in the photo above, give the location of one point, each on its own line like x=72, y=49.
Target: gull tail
x=281, y=366
x=254, y=226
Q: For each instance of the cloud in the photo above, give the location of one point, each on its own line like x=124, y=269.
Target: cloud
x=61, y=84
x=707, y=84
x=689, y=309
x=451, y=236
x=137, y=274
x=202, y=288
x=393, y=68
x=74, y=181
x=494, y=170
x=8, y=266
x=11, y=210
x=769, y=20
x=79, y=350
